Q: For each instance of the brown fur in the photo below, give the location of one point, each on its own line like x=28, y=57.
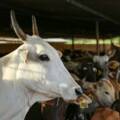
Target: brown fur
x=105, y=114
x=116, y=86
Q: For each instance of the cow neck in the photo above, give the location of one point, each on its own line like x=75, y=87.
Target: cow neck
x=9, y=64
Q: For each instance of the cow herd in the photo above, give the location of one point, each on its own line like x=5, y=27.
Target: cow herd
x=99, y=77
x=36, y=85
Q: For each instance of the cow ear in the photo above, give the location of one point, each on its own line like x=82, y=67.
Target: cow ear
x=24, y=55
x=100, y=83
x=60, y=53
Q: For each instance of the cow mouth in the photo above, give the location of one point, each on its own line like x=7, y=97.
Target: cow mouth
x=83, y=101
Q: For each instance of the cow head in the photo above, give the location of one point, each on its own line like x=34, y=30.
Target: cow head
x=40, y=67
x=89, y=71
x=114, y=53
x=105, y=92
x=101, y=59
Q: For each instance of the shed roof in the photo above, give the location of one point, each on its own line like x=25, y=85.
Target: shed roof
x=63, y=18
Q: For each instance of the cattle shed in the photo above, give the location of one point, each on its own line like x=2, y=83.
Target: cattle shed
x=80, y=79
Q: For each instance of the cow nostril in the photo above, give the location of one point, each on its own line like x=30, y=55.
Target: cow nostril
x=78, y=91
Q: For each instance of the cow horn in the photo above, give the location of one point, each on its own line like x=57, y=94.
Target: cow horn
x=34, y=26
x=19, y=32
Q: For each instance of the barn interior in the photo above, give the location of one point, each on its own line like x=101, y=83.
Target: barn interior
x=78, y=28
x=68, y=19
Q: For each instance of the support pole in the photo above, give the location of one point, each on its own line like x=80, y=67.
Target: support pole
x=119, y=41
x=104, y=46
x=73, y=44
x=97, y=37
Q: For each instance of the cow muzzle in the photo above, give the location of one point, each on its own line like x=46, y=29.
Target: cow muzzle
x=78, y=92
x=83, y=100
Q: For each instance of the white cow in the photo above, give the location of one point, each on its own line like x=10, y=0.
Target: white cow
x=102, y=60
x=33, y=72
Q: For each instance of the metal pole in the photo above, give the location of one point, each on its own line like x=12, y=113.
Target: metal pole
x=111, y=43
x=97, y=37
x=119, y=41
x=73, y=44
x=95, y=12
x=104, y=47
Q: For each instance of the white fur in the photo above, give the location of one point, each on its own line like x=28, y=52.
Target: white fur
x=102, y=60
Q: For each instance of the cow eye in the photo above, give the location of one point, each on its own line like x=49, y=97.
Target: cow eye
x=107, y=93
x=44, y=57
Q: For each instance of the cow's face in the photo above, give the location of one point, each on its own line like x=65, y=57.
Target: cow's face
x=114, y=53
x=44, y=64
x=41, y=69
x=89, y=71
x=101, y=60
x=105, y=92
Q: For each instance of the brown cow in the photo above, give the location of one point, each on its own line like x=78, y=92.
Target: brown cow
x=105, y=114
